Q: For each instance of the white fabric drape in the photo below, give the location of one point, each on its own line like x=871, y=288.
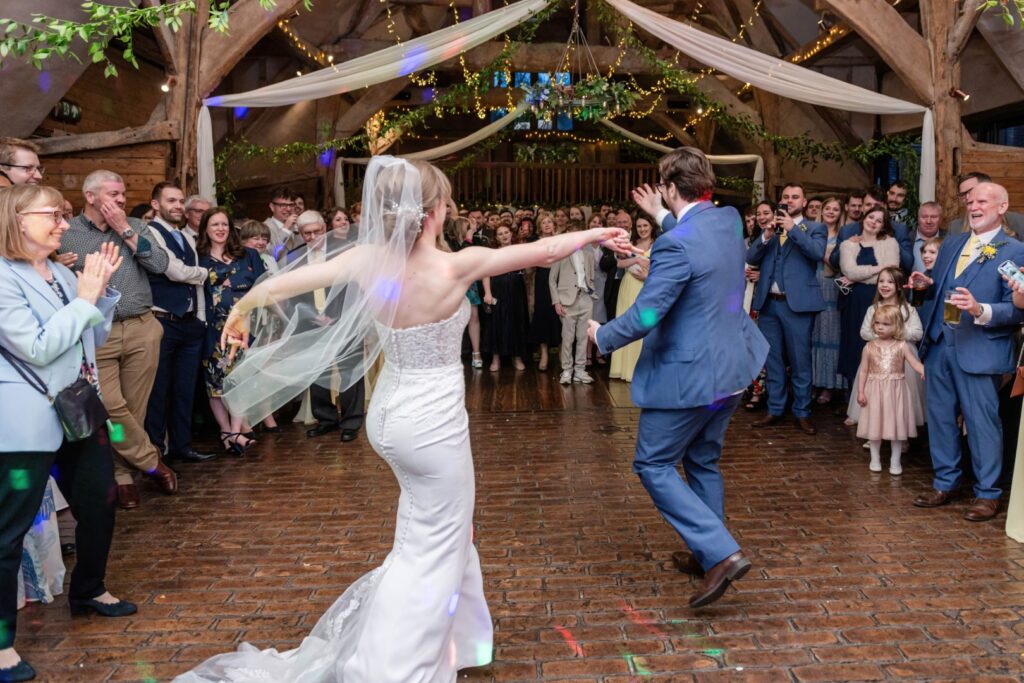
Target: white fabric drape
x=722, y=159
x=783, y=78
x=377, y=67
x=429, y=154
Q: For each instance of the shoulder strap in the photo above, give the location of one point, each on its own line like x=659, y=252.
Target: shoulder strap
x=26, y=372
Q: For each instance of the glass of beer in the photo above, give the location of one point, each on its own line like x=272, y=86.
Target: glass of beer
x=950, y=313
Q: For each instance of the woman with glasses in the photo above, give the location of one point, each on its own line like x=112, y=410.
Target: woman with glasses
x=53, y=322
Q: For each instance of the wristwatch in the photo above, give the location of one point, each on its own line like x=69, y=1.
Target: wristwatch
x=128, y=233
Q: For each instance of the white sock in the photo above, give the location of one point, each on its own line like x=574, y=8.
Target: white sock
x=876, y=456
x=897, y=452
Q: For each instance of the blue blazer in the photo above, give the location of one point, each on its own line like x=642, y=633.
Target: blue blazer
x=37, y=327
x=900, y=232
x=798, y=262
x=980, y=349
x=700, y=346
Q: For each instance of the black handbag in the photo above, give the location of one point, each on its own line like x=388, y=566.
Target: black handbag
x=79, y=408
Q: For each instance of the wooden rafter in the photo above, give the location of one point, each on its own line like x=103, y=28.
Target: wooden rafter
x=963, y=27
x=249, y=23
x=167, y=42
x=1007, y=43
x=902, y=48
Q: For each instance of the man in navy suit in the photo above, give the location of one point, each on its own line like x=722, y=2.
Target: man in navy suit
x=965, y=360
x=700, y=352
x=787, y=298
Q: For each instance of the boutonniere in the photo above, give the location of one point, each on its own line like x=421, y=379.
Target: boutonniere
x=989, y=251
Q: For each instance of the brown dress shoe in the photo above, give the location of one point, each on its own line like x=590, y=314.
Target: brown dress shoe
x=687, y=563
x=982, y=509
x=165, y=478
x=719, y=577
x=805, y=426
x=769, y=421
x=127, y=496
x=933, y=499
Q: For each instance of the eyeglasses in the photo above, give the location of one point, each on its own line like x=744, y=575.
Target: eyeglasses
x=28, y=169
x=57, y=216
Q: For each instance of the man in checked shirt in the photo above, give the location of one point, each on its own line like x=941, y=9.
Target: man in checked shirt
x=127, y=362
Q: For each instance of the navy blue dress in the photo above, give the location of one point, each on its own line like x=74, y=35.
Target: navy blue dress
x=853, y=308
x=239, y=276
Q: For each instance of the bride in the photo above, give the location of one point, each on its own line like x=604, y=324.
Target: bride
x=421, y=616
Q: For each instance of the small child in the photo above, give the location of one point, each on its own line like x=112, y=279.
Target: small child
x=929, y=252
x=882, y=389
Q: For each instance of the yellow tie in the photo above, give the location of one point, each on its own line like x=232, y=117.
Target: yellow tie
x=966, y=254
x=783, y=236
x=319, y=295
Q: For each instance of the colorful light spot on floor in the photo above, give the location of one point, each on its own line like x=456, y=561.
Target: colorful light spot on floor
x=713, y=653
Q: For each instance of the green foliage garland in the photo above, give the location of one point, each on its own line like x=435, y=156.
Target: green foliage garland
x=47, y=36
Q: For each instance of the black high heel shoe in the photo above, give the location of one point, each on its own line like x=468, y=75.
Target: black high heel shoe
x=121, y=608
x=231, y=445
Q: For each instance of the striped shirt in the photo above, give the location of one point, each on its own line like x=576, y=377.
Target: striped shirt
x=83, y=237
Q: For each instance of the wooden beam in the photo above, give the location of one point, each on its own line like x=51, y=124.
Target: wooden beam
x=531, y=57
x=963, y=27
x=885, y=30
x=166, y=41
x=222, y=52
x=670, y=125
x=1007, y=42
x=87, y=142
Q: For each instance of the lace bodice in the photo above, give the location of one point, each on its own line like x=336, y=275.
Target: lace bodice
x=886, y=359
x=431, y=345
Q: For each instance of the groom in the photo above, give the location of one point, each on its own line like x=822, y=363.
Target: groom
x=700, y=352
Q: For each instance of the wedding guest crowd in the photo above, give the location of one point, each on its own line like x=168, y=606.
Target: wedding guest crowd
x=857, y=296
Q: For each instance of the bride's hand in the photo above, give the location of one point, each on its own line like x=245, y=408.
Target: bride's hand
x=615, y=239
x=236, y=333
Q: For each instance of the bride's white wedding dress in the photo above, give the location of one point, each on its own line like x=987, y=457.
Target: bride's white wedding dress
x=421, y=615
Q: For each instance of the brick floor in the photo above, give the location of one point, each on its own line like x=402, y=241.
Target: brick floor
x=850, y=582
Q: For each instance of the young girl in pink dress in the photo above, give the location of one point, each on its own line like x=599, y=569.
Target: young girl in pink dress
x=887, y=413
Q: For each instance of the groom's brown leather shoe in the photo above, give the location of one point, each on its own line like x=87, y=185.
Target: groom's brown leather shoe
x=982, y=509
x=934, y=498
x=769, y=421
x=719, y=577
x=687, y=563
x=165, y=478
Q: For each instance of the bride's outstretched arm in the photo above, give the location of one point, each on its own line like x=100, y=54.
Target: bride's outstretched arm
x=475, y=263
x=282, y=286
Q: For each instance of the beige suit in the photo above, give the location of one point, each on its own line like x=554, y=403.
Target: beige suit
x=578, y=304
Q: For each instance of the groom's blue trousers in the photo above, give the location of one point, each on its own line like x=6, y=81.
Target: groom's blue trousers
x=695, y=507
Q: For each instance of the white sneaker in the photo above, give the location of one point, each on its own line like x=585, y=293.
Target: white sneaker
x=583, y=377
x=566, y=378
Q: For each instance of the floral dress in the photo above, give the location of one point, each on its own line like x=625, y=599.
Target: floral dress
x=228, y=282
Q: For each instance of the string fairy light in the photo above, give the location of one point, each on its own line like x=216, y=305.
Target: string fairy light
x=313, y=53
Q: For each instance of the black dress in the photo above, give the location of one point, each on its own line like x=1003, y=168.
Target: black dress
x=854, y=307
x=545, y=326
x=507, y=325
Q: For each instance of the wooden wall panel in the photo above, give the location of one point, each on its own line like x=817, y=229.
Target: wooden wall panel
x=141, y=166
x=113, y=103
x=1004, y=164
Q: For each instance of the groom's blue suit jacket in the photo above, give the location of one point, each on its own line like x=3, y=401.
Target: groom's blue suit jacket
x=700, y=346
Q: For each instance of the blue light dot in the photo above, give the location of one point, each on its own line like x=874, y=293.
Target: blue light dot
x=241, y=112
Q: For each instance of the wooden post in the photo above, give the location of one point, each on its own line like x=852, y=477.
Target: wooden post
x=937, y=24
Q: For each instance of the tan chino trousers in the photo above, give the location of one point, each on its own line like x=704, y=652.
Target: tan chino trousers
x=127, y=365
x=574, y=327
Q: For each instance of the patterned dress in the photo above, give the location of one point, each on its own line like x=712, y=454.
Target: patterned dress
x=825, y=338
x=888, y=414
x=227, y=284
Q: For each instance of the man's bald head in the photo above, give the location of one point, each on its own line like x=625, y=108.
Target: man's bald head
x=987, y=204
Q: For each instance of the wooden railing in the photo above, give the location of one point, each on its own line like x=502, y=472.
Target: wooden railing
x=486, y=183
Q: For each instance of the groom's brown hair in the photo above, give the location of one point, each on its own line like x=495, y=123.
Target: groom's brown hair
x=689, y=171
